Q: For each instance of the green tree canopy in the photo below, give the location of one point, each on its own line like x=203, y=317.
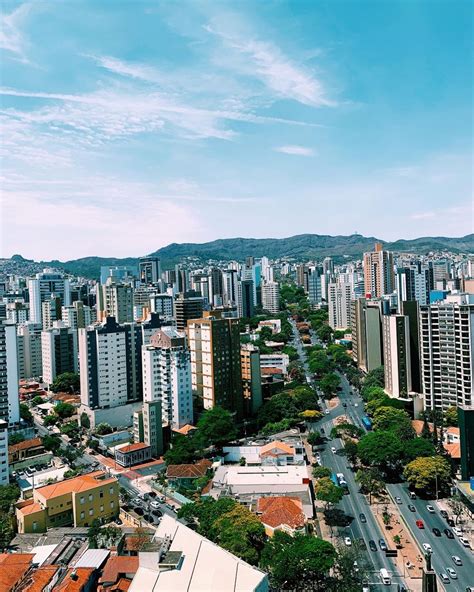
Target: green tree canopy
x=36, y=401
x=371, y=482
x=102, y=429
x=375, y=377
x=183, y=450
x=451, y=416
x=64, y=410
x=297, y=563
x=416, y=448
x=216, y=427
x=394, y=420
x=315, y=438
x=327, y=492
x=52, y=443
x=380, y=449
x=424, y=472
x=319, y=363
x=25, y=413
x=329, y=383
x=66, y=383
x=321, y=472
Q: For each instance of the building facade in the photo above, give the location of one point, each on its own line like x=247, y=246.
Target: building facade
x=271, y=297
x=339, y=305
x=378, y=272
x=58, y=351
x=42, y=287
x=396, y=348
x=251, y=378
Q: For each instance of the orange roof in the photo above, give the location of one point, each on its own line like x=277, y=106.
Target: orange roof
x=453, y=430
x=38, y=579
x=454, y=450
x=31, y=508
x=185, y=429
x=271, y=371
x=77, y=583
x=278, y=511
x=276, y=447
x=118, y=566
x=188, y=471
x=13, y=567
x=25, y=445
x=133, y=447
x=75, y=485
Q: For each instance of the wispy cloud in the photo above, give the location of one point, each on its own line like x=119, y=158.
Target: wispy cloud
x=278, y=72
x=12, y=38
x=296, y=150
x=132, y=70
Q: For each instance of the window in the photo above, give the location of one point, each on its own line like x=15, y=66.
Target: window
x=102, y=508
x=111, y=490
x=91, y=497
x=82, y=515
x=91, y=512
x=112, y=504
x=82, y=500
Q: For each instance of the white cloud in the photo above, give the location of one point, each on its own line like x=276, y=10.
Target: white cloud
x=138, y=71
x=278, y=72
x=11, y=36
x=296, y=150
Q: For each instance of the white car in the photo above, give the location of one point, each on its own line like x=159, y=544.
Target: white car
x=457, y=531
x=155, y=505
x=451, y=573
x=356, y=404
x=327, y=412
x=465, y=542
x=333, y=450
x=398, y=500
x=456, y=559
x=347, y=541
x=430, y=509
x=427, y=547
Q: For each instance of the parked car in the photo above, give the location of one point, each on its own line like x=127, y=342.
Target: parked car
x=327, y=412
x=420, y=524
x=450, y=521
x=444, y=578
x=449, y=533
x=430, y=509
x=427, y=547
x=362, y=518
x=372, y=545
x=412, y=495
x=347, y=541
x=333, y=449
x=465, y=542
x=398, y=500
x=155, y=505
x=436, y=531
x=452, y=573
x=457, y=531
x=457, y=560
x=152, y=494
x=382, y=545
x=412, y=508
x=443, y=513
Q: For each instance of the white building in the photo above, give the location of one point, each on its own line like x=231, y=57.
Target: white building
x=279, y=361
x=339, y=305
x=185, y=560
x=116, y=300
x=166, y=365
x=30, y=359
x=9, y=396
x=163, y=305
x=4, y=480
x=58, y=351
x=42, y=287
x=446, y=331
x=271, y=297
x=78, y=315
x=276, y=452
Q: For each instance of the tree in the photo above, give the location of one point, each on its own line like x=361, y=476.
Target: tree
x=375, y=377
x=16, y=439
x=102, y=429
x=350, y=448
x=93, y=534
x=50, y=420
x=70, y=429
x=85, y=421
x=328, y=384
x=457, y=506
x=35, y=401
x=451, y=416
x=64, y=410
x=386, y=517
x=325, y=333
x=297, y=563
x=380, y=449
x=276, y=427
x=68, y=382
x=182, y=451
x=52, y=443
x=327, y=492
x=427, y=473
x=417, y=447
x=394, y=420
x=319, y=363
x=345, y=578
x=371, y=482
x=315, y=438
x=321, y=472
x=25, y=413
x=311, y=415
x=397, y=540
x=216, y=427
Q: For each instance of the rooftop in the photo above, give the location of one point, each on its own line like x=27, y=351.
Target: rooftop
x=278, y=511
x=132, y=447
x=76, y=580
x=276, y=447
x=118, y=566
x=25, y=445
x=76, y=485
x=261, y=475
x=189, y=471
x=39, y=579
x=13, y=566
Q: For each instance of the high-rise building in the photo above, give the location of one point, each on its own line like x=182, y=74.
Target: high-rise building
x=447, y=351
x=410, y=310
x=301, y=276
x=187, y=308
x=245, y=302
x=58, y=351
x=9, y=396
x=215, y=362
x=166, y=364
x=110, y=366
x=339, y=305
x=17, y=312
x=216, y=287
x=78, y=316
x=251, y=378
x=271, y=297
x=116, y=300
x=118, y=273
x=267, y=270
x=396, y=354
x=414, y=283
x=466, y=433
x=313, y=286
x=29, y=344
x=378, y=272
x=366, y=325
x=51, y=311
x=149, y=270
x=162, y=304
x=328, y=266
x=42, y=287
x=4, y=476
x=230, y=287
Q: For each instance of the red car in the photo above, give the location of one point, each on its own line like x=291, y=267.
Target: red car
x=420, y=524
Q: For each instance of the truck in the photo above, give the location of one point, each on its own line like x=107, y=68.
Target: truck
x=385, y=577
x=367, y=423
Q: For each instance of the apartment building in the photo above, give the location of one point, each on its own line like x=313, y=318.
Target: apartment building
x=251, y=378
x=339, y=305
x=396, y=353
x=77, y=502
x=378, y=272
x=271, y=297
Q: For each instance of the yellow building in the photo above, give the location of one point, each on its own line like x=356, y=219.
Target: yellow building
x=76, y=502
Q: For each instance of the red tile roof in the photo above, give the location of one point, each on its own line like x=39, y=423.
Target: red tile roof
x=38, y=579
x=13, y=566
x=275, y=448
x=76, y=484
x=189, y=471
x=279, y=511
x=133, y=447
x=454, y=449
x=77, y=583
x=270, y=371
x=25, y=445
x=118, y=566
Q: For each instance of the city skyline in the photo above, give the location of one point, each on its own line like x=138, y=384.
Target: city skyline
x=120, y=122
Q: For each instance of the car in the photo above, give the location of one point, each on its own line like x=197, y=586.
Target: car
x=382, y=545
x=444, y=578
x=412, y=495
x=443, y=513
x=158, y=513
x=450, y=521
x=398, y=500
x=347, y=541
x=155, y=505
x=362, y=544
x=465, y=542
x=420, y=524
x=333, y=449
x=449, y=533
x=356, y=404
x=362, y=518
x=152, y=494
x=456, y=559
x=436, y=531
x=452, y=573
x=457, y=531
x=430, y=509
x=372, y=545
x=412, y=508
x=139, y=510
x=327, y=412
x=427, y=547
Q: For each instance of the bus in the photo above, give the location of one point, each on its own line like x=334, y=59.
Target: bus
x=367, y=423
x=334, y=479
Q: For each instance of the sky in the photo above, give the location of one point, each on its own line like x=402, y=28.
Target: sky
x=127, y=126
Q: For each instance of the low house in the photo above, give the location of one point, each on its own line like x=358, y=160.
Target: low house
x=118, y=573
x=78, y=579
x=133, y=454
x=28, y=453
x=13, y=567
x=273, y=324
x=186, y=474
x=281, y=513
x=274, y=452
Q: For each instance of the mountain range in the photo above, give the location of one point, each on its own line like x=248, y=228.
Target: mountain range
x=300, y=247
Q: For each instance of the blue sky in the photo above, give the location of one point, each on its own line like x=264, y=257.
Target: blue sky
x=130, y=125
